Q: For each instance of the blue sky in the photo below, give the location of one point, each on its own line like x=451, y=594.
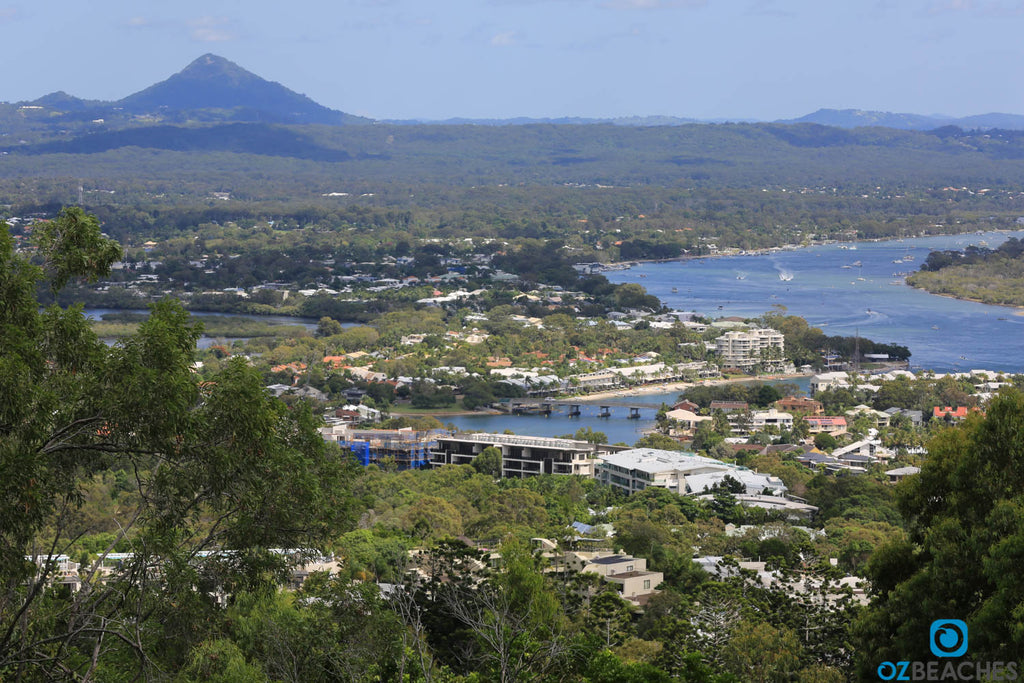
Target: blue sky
x=731, y=59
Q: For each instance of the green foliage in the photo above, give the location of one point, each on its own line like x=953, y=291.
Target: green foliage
x=210, y=466
x=73, y=247
x=659, y=441
x=824, y=441
x=964, y=518
x=979, y=274
x=488, y=462
x=853, y=497
x=760, y=652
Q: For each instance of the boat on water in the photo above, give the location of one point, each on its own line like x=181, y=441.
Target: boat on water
x=675, y=290
x=858, y=264
x=741, y=276
x=785, y=277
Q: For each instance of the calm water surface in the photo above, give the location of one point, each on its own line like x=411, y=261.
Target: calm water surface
x=846, y=291
x=865, y=297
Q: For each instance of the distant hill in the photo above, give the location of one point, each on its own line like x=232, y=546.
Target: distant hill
x=213, y=89
x=857, y=118
x=240, y=138
x=560, y=121
x=62, y=101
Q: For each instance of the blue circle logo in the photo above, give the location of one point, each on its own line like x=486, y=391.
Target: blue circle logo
x=948, y=638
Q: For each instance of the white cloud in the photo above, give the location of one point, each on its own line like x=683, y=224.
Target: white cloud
x=211, y=29
x=504, y=39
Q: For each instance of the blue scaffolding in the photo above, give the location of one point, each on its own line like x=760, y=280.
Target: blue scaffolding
x=408, y=449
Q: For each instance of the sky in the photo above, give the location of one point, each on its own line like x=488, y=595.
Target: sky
x=423, y=59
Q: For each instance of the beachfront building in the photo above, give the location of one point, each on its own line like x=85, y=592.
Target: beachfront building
x=684, y=473
x=745, y=349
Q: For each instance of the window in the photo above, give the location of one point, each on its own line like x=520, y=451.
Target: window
x=647, y=584
x=629, y=567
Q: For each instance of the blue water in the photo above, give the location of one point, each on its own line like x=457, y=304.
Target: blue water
x=618, y=428
x=943, y=334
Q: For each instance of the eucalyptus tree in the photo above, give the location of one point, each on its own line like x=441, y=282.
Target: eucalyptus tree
x=214, y=474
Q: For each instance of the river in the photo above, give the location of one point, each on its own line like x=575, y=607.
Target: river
x=619, y=428
x=207, y=341
x=870, y=299
x=850, y=289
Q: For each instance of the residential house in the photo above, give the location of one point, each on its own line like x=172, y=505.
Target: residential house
x=952, y=414
x=800, y=405
x=829, y=380
x=916, y=416
x=688, y=420
x=900, y=473
x=879, y=418
x=827, y=424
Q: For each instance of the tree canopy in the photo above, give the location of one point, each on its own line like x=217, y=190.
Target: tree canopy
x=210, y=476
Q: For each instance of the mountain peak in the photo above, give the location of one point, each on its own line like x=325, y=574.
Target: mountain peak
x=215, y=66
x=214, y=83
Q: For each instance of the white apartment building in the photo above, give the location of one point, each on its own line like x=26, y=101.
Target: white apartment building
x=743, y=349
x=684, y=473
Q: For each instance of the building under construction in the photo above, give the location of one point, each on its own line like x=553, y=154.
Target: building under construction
x=405, y=448
x=523, y=456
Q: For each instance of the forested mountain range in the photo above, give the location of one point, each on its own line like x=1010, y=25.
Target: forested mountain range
x=216, y=120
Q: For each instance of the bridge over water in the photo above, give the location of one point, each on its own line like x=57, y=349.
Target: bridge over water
x=547, y=406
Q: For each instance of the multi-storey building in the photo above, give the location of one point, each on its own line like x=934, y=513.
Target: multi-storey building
x=684, y=473
x=744, y=349
x=522, y=456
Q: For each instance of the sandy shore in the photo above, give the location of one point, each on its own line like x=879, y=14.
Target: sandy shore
x=667, y=387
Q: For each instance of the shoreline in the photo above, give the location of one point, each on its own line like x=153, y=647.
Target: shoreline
x=648, y=389
x=1017, y=309
x=626, y=265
